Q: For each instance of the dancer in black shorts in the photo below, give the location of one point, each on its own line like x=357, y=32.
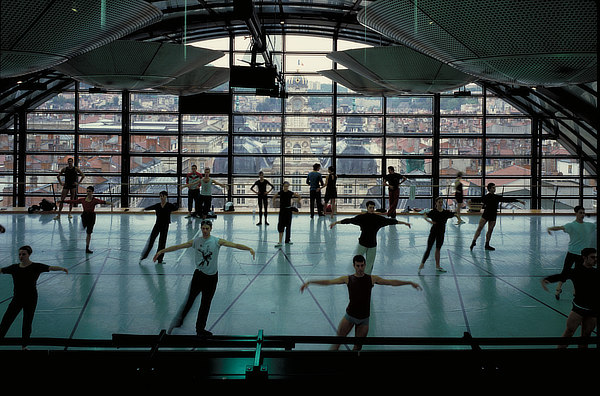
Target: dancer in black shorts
x=284, y=223
x=359, y=291
x=88, y=216
x=490, y=212
x=437, y=217
x=161, y=227
x=25, y=297
x=458, y=196
x=69, y=186
x=262, y=195
x=586, y=303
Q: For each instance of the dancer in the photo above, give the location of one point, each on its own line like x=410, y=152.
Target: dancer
x=586, y=303
x=205, y=278
x=315, y=181
x=285, y=212
x=369, y=224
x=393, y=181
x=458, y=196
x=88, y=216
x=192, y=182
x=490, y=212
x=580, y=234
x=161, y=227
x=262, y=195
x=69, y=186
x=331, y=190
x=25, y=295
x=2, y=229
x=439, y=216
x=359, y=291
x=206, y=192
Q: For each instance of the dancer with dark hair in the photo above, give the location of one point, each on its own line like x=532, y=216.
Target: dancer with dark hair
x=88, y=216
x=192, y=182
x=490, y=213
x=331, y=190
x=69, y=186
x=393, y=181
x=580, y=237
x=315, y=180
x=25, y=294
x=263, y=196
x=359, y=286
x=586, y=303
x=206, y=183
x=458, y=196
x=161, y=227
x=437, y=217
x=369, y=224
x=286, y=209
x=206, y=275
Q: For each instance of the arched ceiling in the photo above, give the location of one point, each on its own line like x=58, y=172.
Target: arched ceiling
x=569, y=112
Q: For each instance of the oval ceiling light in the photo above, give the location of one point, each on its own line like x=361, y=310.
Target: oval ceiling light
x=125, y=64
x=36, y=35
x=201, y=79
x=402, y=69
x=527, y=42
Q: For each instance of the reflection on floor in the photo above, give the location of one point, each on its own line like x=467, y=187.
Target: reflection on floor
x=488, y=294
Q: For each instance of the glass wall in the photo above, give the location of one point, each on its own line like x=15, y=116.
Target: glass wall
x=133, y=147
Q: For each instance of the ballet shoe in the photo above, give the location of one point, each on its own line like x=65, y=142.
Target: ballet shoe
x=557, y=294
x=472, y=245
x=88, y=251
x=440, y=269
x=488, y=247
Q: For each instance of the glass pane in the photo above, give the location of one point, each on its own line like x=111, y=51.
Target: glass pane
x=471, y=187
x=100, y=101
x=408, y=146
x=410, y=105
x=257, y=145
x=204, y=123
x=560, y=187
x=44, y=163
x=107, y=122
x=510, y=187
x=168, y=123
x=461, y=125
x=154, y=102
x=551, y=147
x=401, y=125
x=508, y=147
x=308, y=43
x=508, y=167
x=460, y=146
x=61, y=101
x=100, y=143
x=50, y=142
x=261, y=124
x=512, y=126
x=217, y=165
x=153, y=164
x=256, y=104
x=359, y=125
x=309, y=104
x=359, y=105
x=460, y=105
x=308, y=124
x=56, y=121
x=358, y=166
x=145, y=190
x=410, y=166
x=468, y=166
x=204, y=144
x=560, y=167
x=251, y=165
x=308, y=83
x=307, y=145
x=495, y=105
x=153, y=144
x=359, y=146
x=306, y=63
x=100, y=163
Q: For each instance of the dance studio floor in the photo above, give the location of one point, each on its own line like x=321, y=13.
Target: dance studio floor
x=488, y=294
